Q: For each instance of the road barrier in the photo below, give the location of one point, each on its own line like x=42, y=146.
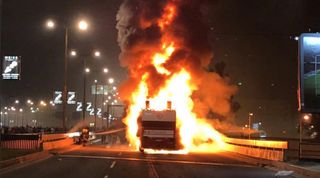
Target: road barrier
x=270, y=150
x=20, y=141
x=55, y=141
x=310, y=151
x=53, y=137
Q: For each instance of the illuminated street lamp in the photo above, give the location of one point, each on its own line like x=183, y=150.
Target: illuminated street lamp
x=306, y=117
x=97, y=54
x=50, y=24
x=105, y=70
x=83, y=26
x=73, y=53
x=111, y=80
x=17, y=101
x=42, y=103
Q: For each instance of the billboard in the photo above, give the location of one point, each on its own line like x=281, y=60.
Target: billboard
x=309, y=78
x=11, y=67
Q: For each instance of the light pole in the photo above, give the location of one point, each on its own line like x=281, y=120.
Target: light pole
x=249, y=124
x=305, y=118
x=86, y=70
x=95, y=104
x=83, y=26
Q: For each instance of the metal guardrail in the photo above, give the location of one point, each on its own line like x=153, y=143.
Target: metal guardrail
x=265, y=149
x=310, y=151
x=258, y=143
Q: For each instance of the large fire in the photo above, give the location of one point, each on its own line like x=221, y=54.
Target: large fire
x=178, y=81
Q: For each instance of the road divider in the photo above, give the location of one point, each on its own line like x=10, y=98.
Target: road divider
x=265, y=149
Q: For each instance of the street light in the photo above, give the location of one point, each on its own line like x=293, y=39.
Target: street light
x=50, y=24
x=83, y=26
x=306, y=118
x=111, y=80
x=95, y=104
x=249, y=123
x=97, y=54
x=17, y=101
x=105, y=70
x=73, y=53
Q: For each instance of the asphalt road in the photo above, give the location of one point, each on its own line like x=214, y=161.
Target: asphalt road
x=101, y=162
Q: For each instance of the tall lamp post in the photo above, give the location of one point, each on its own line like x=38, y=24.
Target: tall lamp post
x=249, y=124
x=305, y=118
x=83, y=26
x=95, y=104
x=86, y=70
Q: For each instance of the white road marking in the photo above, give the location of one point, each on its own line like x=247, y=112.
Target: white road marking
x=95, y=141
x=152, y=171
x=113, y=164
x=156, y=160
x=106, y=176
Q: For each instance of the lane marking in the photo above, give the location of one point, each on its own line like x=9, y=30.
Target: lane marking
x=106, y=176
x=113, y=164
x=152, y=170
x=156, y=160
x=95, y=141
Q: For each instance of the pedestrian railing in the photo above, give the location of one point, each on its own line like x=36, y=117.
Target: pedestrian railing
x=20, y=141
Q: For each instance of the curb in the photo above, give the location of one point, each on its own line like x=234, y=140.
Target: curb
x=278, y=165
x=7, y=164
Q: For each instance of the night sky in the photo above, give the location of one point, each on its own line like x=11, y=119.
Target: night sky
x=254, y=38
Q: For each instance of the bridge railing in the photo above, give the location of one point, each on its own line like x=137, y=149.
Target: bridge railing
x=266, y=149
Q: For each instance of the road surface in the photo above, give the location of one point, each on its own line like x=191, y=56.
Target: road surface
x=98, y=161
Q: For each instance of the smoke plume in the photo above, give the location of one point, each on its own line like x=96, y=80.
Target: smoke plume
x=144, y=25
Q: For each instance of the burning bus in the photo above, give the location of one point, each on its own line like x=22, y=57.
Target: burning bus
x=157, y=129
x=167, y=57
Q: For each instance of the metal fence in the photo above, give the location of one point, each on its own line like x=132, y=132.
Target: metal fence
x=20, y=141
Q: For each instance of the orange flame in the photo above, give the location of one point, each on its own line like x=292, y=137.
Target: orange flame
x=196, y=135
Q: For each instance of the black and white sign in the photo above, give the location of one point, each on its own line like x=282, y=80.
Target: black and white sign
x=71, y=97
x=89, y=109
x=11, y=67
x=79, y=106
x=58, y=97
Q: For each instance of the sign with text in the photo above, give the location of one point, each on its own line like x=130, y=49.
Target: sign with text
x=11, y=67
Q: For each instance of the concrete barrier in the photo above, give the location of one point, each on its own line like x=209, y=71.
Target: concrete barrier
x=50, y=145
x=50, y=137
